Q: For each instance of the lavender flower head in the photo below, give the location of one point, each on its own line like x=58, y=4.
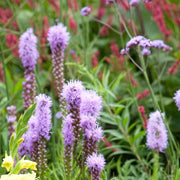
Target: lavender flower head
x=43, y=115
x=28, y=51
x=91, y=103
x=67, y=130
x=177, y=99
x=88, y=122
x=58, y=37
x=96, y=162
x=85, y=11
x=72, y=93
x=157, y=137
x=134, y=2
x=94, y=134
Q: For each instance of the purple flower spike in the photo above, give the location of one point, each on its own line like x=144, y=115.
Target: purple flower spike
x=68, y=130
x=157, y=137
x=58, y=37
x=177, y=99
x=91, y=103
x=85, y=11
x=96, y=164
x=72, y=94
x=28, y=49
x=134, y=2
x=88, y=122
x=43, y=115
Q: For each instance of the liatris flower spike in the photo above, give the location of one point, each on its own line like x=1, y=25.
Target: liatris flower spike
x=58, y=38
x=157, y=137
x=28, y=53
x=96, y=164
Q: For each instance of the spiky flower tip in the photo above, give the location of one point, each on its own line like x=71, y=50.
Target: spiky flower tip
x=72, y=94
x=157, y=137
x=96, y=164
x=91, y=103
x=58, y=37
x=28, y=51
x=177, y=99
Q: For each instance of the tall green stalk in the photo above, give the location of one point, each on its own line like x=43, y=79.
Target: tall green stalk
x=156, y=166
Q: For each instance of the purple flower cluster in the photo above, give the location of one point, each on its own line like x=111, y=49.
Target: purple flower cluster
x=134, y=2
x=145, y=44
x=29, y=54
x=72, y=94
x=68, y=131
x=38, y=133
x=96, y=164
x=84, y=107
x=91, y=103
x=157, y=137
x=85, y=11
x=58, y=37
x=28, y=49
x=177, y=99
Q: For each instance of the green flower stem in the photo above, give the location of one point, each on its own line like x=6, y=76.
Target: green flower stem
x=156, y=166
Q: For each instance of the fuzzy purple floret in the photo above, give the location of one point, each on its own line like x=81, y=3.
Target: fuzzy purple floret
x=72, y=93
x=95, y=134
x=28, y=51
x=67, y=130
x=58, y=37
x=43, y=115
x=157, y=137
x=85, y=11
x=177, y=99
x=96, y=162
x=146, y=52
x=91, y=103
x=88, y=122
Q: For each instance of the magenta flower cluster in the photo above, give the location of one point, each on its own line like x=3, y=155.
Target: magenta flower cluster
x=157, y=137
x=145, y=44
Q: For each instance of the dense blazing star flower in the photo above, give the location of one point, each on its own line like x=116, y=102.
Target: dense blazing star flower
x=68, y=131
x=177, y=99
x=43, y=115
x=96, y=164
x=88, y=122
x=157, y=137
x=91, y=103
x=28, y=53
x=134, y=2
x=58, y=37
x=72, y=93
x=28, y=49
x=85, y=11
